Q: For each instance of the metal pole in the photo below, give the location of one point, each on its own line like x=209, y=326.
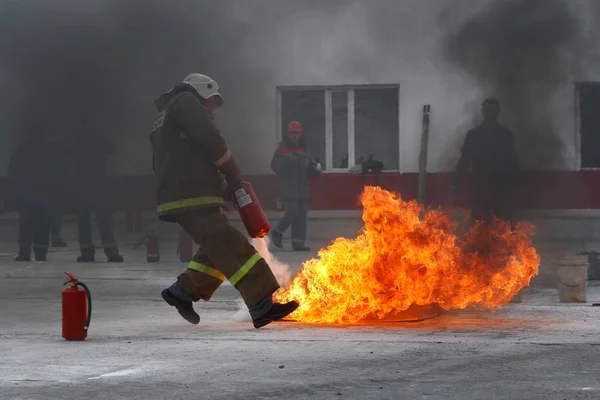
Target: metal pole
x=351, y=142
x=423, y=154
x=328, y=131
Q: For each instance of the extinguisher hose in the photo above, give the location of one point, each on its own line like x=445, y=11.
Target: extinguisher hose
x=89, y=304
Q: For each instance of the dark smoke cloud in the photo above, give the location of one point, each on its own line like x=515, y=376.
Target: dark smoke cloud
x=78, y=66
x=90, y=67
x=83, y=67
x=523, y=52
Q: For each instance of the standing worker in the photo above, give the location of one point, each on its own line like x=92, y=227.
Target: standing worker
x=293, y=165
x=55, y=230
x=32, y=181
x=88, y=156
x=190, y=158
x=489, y=153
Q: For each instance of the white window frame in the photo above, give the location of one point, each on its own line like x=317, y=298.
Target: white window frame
x=328, y=90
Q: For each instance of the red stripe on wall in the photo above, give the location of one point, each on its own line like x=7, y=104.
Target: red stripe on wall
x=340, y=191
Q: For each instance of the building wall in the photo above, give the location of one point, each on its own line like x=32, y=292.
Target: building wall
x=455, y=106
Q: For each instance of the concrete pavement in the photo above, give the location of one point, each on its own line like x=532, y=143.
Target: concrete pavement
x=139, y=348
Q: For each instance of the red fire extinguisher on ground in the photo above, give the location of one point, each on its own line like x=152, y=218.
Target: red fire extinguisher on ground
x=76, y=309
x=152, y=247
x=250, y=210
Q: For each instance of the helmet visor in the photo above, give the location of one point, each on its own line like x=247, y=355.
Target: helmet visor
x=215, y=101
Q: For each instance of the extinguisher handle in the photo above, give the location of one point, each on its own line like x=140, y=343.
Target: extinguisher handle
x=89, y=304
x=72, y=278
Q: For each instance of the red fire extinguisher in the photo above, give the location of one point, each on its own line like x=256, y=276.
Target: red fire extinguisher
x=152, y=247
x=76, y=309
x=250, y=210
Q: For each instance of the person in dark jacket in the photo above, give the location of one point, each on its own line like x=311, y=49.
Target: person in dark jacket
x=489, y=153
x=293, y=165
x=190, y=159
x=33, y=185
x=88, y=195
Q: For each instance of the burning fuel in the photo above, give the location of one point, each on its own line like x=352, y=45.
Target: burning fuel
x=406, y=255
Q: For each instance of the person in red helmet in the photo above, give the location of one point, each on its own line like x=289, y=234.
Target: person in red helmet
x=293, y=165
x=190, y=158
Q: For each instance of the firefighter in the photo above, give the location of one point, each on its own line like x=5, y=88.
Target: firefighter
x=489, y=153
x=32, y=181
x=195, y=171
x=88, y=182
x=293, y=165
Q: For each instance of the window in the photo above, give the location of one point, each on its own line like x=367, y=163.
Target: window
x=345, y=125
x=589, y=124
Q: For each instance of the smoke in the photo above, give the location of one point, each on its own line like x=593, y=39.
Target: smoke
x=280, y=270
x=61, y=62
x=87, y=67
x=525, y=53
x=92, y=67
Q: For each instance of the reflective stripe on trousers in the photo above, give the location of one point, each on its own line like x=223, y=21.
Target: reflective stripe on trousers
x=244, y=269
x=215, y=273
x=205, y=269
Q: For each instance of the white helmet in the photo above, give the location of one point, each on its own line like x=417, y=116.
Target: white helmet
x=204, y=85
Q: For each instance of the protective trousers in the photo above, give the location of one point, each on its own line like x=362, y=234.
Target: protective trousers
x=223, y=253
x=107, y=236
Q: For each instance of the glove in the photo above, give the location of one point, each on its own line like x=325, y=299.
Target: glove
x=227, y=190
x=231, y=172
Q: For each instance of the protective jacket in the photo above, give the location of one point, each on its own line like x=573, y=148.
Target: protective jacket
x=189, y=155
x=293, y=171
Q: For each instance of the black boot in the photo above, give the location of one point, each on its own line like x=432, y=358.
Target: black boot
x=277, y=312
x=300, y=247
x=185, y=308
x=114, y=258
x=86, y=257
x=277, y=239
x=40, y=257
x=24, y=254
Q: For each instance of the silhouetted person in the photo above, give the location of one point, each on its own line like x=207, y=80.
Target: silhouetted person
x=489, y=153
x=33, y=185
x=88, y=182
x=372, y=166
x=55, y=230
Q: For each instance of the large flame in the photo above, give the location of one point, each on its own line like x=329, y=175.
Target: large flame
x=406, y=255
